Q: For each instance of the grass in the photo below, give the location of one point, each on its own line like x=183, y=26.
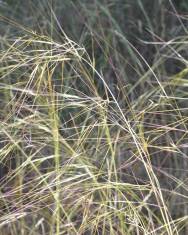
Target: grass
x=93, y=122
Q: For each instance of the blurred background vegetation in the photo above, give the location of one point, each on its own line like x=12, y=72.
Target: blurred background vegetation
x=103, y=21
x=107, y=28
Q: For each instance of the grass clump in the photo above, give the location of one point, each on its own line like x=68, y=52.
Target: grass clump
x=92, y=134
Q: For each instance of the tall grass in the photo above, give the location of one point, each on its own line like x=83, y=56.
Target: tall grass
x=93, y=133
